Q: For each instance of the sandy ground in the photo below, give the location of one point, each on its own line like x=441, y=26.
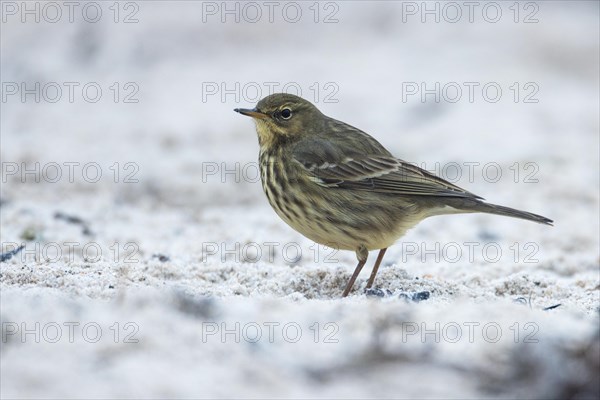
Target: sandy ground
x=169, y=276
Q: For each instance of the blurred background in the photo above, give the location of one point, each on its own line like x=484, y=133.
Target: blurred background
x=144, y=91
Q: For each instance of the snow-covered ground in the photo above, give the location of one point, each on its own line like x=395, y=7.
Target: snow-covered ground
x=170, y=276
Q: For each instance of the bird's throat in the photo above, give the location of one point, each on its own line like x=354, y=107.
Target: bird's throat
x=269, y=135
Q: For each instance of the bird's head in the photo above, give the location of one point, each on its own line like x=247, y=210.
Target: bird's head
x=282, y=116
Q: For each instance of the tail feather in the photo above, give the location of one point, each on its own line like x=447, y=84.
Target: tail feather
x=508, y=212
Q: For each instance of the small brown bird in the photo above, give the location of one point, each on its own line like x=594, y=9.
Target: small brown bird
x=340, y=187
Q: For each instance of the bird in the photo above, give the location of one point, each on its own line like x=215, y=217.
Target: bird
x=339, y=187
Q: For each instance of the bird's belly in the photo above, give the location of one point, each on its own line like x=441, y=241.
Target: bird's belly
x=347, y=235
x=339, y=218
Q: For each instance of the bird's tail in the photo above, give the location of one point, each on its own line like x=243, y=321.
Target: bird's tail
x=480, y=206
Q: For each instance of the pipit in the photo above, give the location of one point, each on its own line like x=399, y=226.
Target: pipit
x=340, y=187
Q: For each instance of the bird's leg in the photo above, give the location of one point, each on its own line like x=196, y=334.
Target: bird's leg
x=361, y=253
x=375, y=268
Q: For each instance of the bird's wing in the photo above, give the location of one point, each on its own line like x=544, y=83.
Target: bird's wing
x=344, y=168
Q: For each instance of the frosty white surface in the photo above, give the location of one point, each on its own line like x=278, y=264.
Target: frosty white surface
x=159, y=164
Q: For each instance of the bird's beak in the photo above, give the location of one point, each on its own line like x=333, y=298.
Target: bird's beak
x=254, y=113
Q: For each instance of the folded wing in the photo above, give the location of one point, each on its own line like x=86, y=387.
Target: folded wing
x=345, y=167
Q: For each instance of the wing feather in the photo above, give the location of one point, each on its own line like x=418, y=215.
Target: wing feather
x=346, y=168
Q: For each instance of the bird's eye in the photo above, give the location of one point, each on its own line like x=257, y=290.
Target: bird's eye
x=286, y=113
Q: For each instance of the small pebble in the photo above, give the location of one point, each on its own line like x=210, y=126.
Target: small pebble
x=416, y=297
x=161, y=257
x=377, y=292
x=420, y=296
